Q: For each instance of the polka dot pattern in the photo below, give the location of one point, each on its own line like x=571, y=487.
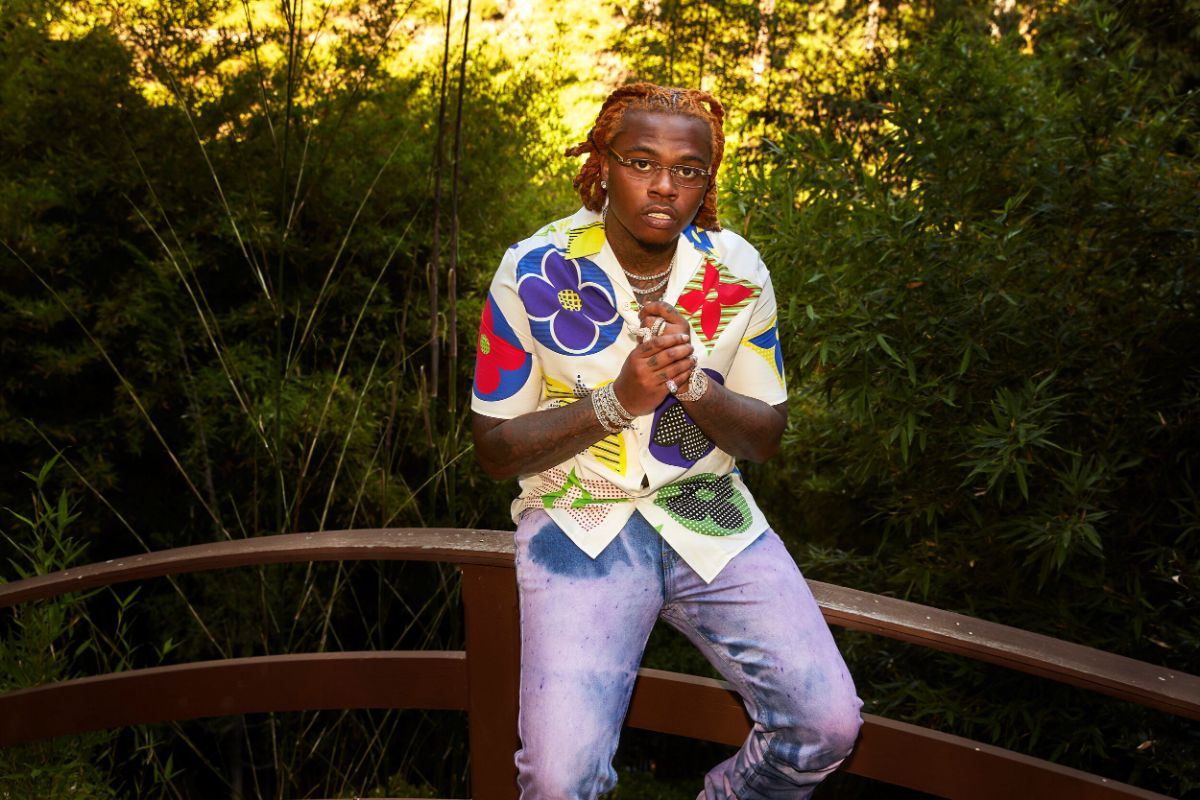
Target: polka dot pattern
x=587, y=502
x=674, y=438
x=675, y=427
x=706, y=504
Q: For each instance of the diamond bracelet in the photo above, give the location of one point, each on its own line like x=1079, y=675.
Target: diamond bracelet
x=612, y=415
x=697, y=386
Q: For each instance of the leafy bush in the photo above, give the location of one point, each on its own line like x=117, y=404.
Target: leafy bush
x=54, y=640
x=214, y=278
x=215, y=303
x=989, y=299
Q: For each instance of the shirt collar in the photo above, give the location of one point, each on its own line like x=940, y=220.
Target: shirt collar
x=585, y=237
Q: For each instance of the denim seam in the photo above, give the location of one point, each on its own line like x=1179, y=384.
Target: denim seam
x=668, y=613
x=666, y=566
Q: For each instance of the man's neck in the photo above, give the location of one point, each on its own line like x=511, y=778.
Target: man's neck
x=637, y=258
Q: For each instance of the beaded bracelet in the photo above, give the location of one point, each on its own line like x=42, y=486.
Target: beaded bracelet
x=697, y=386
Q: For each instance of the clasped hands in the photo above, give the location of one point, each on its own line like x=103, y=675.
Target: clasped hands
x=662, y=359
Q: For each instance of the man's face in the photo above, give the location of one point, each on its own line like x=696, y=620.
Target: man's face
x=649, y=209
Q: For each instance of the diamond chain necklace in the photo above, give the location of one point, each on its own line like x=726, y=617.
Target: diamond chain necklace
x=661, y=278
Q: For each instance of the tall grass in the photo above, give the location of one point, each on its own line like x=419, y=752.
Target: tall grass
x=267, y=356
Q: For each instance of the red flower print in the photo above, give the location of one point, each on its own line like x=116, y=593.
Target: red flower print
x=494, y=354
x=726, y=294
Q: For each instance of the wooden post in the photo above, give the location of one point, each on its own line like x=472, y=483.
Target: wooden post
x=493, y=673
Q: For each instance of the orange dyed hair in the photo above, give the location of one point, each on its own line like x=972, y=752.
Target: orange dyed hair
x=659, y=99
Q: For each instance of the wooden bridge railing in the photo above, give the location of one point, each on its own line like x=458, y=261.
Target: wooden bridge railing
x=482, y=680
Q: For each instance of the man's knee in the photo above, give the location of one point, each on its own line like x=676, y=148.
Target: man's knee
x=841, y=730
x=821, y=742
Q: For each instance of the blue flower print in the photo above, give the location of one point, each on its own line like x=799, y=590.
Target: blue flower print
x=570, y=302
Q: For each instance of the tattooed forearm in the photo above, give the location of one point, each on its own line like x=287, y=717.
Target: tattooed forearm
x=739, y=425
x=536, y=441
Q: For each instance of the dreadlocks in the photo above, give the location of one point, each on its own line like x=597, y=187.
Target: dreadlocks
x=649, y=97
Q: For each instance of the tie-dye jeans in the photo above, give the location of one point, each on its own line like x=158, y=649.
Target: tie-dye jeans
x=584, y=625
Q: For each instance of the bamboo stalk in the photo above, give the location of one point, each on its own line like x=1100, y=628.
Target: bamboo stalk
x=452, y=275
x=435, y=260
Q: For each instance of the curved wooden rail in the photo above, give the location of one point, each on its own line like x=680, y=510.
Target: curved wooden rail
x=1073, y=664
x=1034, y=653
x=302, y=682
x=452, y=545
x=483, y=680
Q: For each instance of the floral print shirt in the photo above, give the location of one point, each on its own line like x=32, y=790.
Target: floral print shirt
x=558, y=323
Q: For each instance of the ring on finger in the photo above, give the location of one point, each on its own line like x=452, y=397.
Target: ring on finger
x=659, y=327
x=672, y=387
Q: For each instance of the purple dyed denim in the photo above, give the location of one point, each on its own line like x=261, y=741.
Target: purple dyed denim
x=584, y=625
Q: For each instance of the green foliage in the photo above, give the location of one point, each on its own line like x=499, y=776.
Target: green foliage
x=248, y=307
x=218, y=248
x=53, y=640
x=635, y=785
x=215, y=304
x=989, y=293
x=45, y=639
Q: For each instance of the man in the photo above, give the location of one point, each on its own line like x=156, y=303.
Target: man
x=627, y=356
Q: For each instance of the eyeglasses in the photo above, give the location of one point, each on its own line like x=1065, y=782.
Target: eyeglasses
x=683, y=175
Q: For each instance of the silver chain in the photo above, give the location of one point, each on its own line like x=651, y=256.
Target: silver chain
x=661, y=278
x=651, y=289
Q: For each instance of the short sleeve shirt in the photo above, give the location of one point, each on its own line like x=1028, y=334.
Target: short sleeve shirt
x=559, y=322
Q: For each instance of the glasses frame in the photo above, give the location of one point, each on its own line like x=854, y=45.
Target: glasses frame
x=705, y=174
